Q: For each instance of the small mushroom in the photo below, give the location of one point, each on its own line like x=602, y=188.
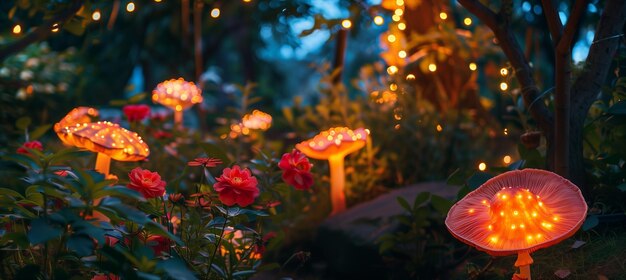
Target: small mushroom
x=334, y=145
x=518, y=212
x=178, y=95
x=107, y=139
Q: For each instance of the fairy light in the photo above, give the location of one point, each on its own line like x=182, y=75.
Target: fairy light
x=158, y=1
x=482, y=167
x=506, y=159
x=472, y=66
x=467, y=21
x=96, y=15
x=432, y=67
x=55, y=28
x=393, y=87
x=346, y=23
x=506, y=131
x=439, y=128
x=391, y=38
x=378, y=20
x=400, y=2
x=247, y=1
x=392, y=69
x=399, y=12
x=504, y=86
x=443, y=16
x=215, y=13
x=402, y=54
x=130, y=7
x=410, y=77
x=402, y=26
x=504, y=72
x=395, y=18
x=17, y=29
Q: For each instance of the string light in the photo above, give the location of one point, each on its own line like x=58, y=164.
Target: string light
x=392, y=69
x=55, y=28
x=506, y=159
x=17, y=29
x=395, y=18
x=96, y=15
x=506, y=131
x=504, y=71
x=400, y=2
x=467, y=21
x=504, y=86
x=439, y=128
x=432, y=67
x=402, y=26
x=443, y=16
x=399, y=12
x=158, y=1
x=378, y=20
x=247, y=1
x=346, y=23
x=393, y=87
x=391, y=38
x=215, y=13
x=472, y=66
x=482, y=167
x=130, y=7
x=410, y=77
x=402, y=54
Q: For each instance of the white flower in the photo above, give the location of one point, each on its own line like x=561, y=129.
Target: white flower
x=26, y=75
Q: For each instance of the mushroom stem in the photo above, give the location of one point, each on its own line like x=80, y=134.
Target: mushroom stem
x=178, y=118
x=523, y=262
x=103, y=163
x=337, y=183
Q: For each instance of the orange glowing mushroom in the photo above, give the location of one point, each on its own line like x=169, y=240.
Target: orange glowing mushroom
x=334, y=145
x=518, y=212
x=257, y=120
x=178, y=95
x=107, y=139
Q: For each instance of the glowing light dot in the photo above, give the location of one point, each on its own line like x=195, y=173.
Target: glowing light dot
x=346, y=23
x=540, y=203
x=556, y=219
x=502, y=213
x=504, y=86
x=130, y=7
x=400, y=2
x=392, y=69
x=482, y=166
x=395, y=18
x=402, y=26
x=410, y=77
x=96, y=15
x=504, y=71
x=158, y=1
x=55, y=27
x=443, y=15
x=432, y=67
x=398, y=12
x=522, y=226
x=490, y=227
x=402, y=54
x=472, y=66
x=484, y=201
x=391, y=38
x=507, y=159
x=471, y=211
x=17, y=29
x=506, y=131
x=530, y=237
x=215, y=13
x=512, y=226
x=439, y=128
x=494, y=239
x=467, y=21
x=534, y=214
x=378, y=20
x=393, y=87
x=515, y=213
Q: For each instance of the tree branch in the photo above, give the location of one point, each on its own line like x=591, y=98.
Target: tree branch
x=40, y=33
x=571, y=27
x=554, y=21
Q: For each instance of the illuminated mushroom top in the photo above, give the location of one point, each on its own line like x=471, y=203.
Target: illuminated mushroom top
x=518, y=211
x=78, y=115
x=177, y=94
x=257, y=120
x=337, y=141
x=107, y=138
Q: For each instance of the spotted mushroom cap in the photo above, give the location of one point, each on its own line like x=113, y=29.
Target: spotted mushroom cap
x=335, y=141
x=78, y=115
x=177, y=94
x=518, y=211
x=257, y=120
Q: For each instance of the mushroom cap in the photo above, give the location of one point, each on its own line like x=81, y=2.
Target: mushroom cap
x=107, y=138
x=257, y=120
x=336, y=141
x=518, y=211
x=78, y=115
x=177, y=94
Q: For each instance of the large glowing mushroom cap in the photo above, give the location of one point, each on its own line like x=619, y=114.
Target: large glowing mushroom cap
x=78, y=115
x=518, y=211
x=337, y=141
x=107, y=138
x=177, y=94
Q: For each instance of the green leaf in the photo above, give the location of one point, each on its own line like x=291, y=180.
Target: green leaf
x=404, y=203
x=440, y=204
x=11, y=193
x=82, y=244
x=23, y=123
x=156, y=228
x=478, y=179
x=41, y=231
x=119, y=191
x=420, y=199
x=219, y=270
x=75, y=26
x=176, y=269
x=591, y=222
x=243, y=273
x=456, y=178
x=39, y=131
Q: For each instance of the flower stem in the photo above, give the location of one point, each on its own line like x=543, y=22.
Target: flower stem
x=217, y=246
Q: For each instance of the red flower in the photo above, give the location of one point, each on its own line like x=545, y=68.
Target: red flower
x=136, y=112
x=207, y=162
x=149, y=184
x=160, y=134
x=158, y=244
x=236, y=186
x=296, y=170
x=33, y=145
x=62, y=173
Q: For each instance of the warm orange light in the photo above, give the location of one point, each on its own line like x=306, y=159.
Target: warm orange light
x=257, y=120
x=398, y=12
x=439, y=128
x=410, y=77
x=215, y=13
x=55, y=28
x=432, y=67
x=400, y=2
x=130, y=7
x=396, y=18
x=393, y=87
x=346, y=23
x=96, y=15
x=467, y=21
x=178, y=95
x=504, y=71
x=443, y=15
x=482, y=166
x=17, y=29
x=402, y=26
x=472, y=66
x=506, y=159
x=392, y=69
x=391, y=38
x=504, y=86
x=402, y=54
x=378, y=20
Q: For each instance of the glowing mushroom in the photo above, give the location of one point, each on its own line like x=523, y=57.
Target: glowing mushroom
x=107, y=139
x=518, y=212
x=333, y=145
x=257, y=120
x=178, y=95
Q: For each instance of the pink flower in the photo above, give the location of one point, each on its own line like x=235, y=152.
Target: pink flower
x=236, y=186
x=149, y=184
x=136, y=112
x=33, y=145
x=296, y=170
x=207, y=162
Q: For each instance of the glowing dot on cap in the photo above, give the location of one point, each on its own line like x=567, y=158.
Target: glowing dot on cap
x=410, y=77
x=504, y=71
x=399, y=12
x=395, y=18
x=392, y=69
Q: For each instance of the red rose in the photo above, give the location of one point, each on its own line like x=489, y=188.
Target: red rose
x=158, y=244
x=136, y=112
x=33, y=145
x=296, y=170
x=236, y=186
x=149, y=184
